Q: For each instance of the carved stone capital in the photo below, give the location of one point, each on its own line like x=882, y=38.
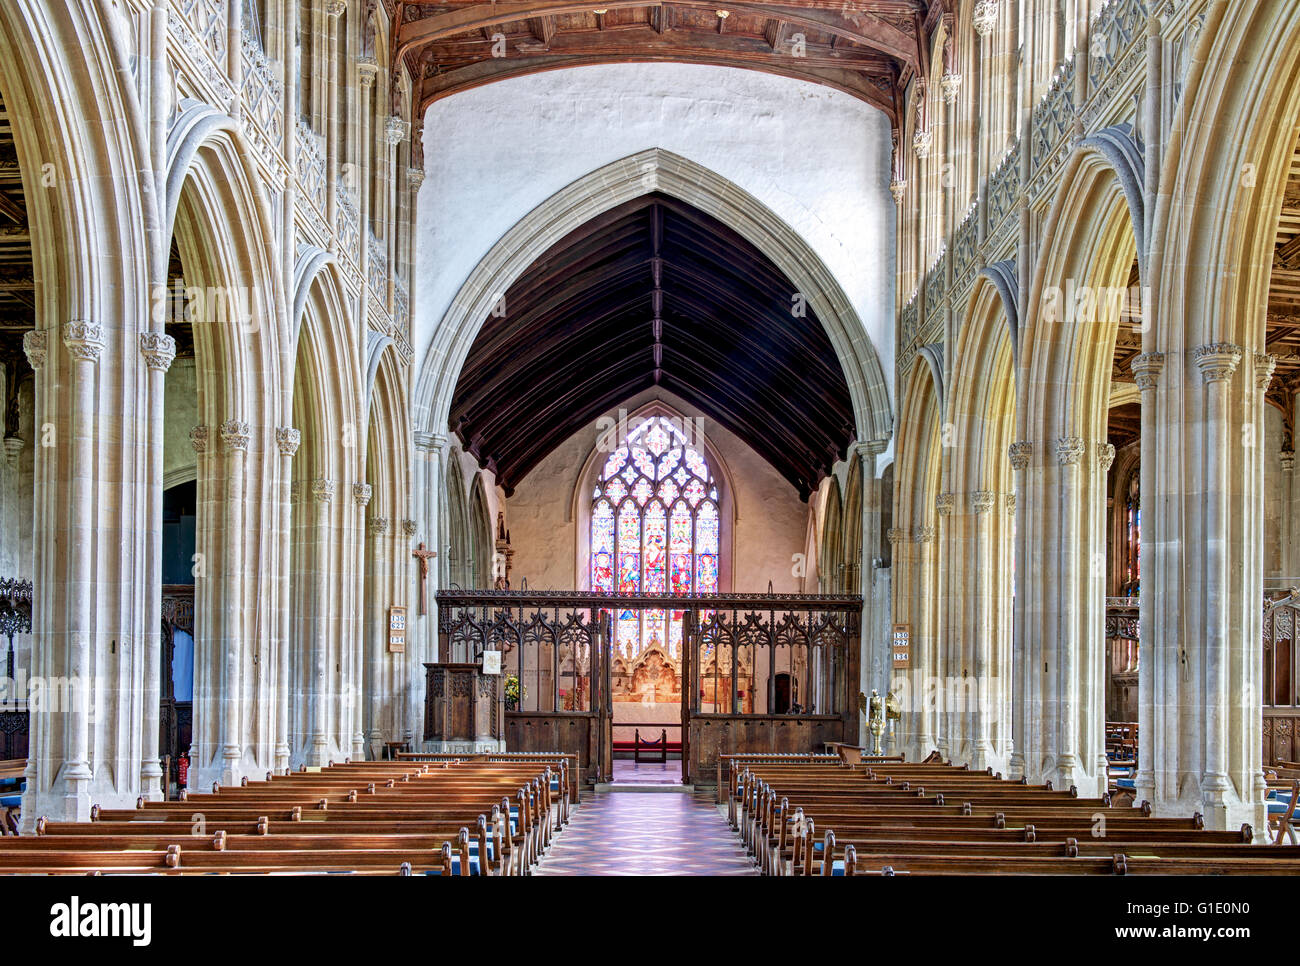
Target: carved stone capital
x=985, y=17
x=1069, y=450
x=1105, y=456
x=199, y=439
x=1146, y=369
x=367, y=71
x=235, y=433
x=943, y=503
x=322, y=491
x=1011, y=502
x=85, y=340
x=36, y=345
x=922, y=534
x=981, y=501
x=158, y=350
x=395, y=130
x=336, y=8
x=1019, y=454
x=950, y=87
x=1265, y=363
x=408, y=527
x=287, y=440
x=1217, y=361
x=414, y=178
x=896, y=535
x=898, y=188
x=361, y=493
x=1288, y=460
x=378, y=526
x=922, y=142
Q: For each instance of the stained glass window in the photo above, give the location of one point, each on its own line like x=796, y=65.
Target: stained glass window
x=654, y=530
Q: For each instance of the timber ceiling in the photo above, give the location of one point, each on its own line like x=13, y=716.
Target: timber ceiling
x=653, y=292
x=1283, y=338
x=869, y=49
x=17, y=283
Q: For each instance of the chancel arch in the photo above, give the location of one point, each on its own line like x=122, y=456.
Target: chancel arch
x=617, y=184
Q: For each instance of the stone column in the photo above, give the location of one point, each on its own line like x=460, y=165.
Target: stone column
x=1288, y=561
x=1023, y=731
x=409, y=529
x=1065, y=701
x=1152, y=693
x=924, y=596
x=1217, y=362
x=939, y=603
x=158, y=350
x=361, y=494
x=333, y=9
x=982, y=752
x=318, y=715
x=287, y=440
x=235, y=433
x=36, y=347
x=375, y=694
x=1095, y=628
x=85, y=343
x=1004, y=671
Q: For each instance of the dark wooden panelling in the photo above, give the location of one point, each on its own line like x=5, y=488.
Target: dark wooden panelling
x=571, y=733
x=714, y=735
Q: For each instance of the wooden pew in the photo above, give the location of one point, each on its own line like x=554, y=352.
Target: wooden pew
x=363, y=818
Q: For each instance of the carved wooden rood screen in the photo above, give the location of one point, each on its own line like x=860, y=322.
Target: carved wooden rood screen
x=765, y=673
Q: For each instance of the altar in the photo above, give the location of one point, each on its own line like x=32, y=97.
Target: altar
x=464, y=710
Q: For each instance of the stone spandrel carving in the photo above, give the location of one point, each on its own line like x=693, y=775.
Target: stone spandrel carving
x=1069, y=450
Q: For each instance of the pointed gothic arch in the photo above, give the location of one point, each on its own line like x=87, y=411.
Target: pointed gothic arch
x=614, y=184
x=1070, y=326
x=916, y=588
x=1212, y=244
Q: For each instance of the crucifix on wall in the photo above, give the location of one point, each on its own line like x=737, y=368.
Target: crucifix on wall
x=423, y=556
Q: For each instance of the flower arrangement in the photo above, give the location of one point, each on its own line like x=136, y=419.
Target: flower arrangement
x=515, y=692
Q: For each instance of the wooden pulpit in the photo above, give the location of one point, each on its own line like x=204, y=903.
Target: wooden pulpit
x=464, y=709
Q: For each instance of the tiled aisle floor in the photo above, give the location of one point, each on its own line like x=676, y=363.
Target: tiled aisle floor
x=648, y=772
x=644, y=833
